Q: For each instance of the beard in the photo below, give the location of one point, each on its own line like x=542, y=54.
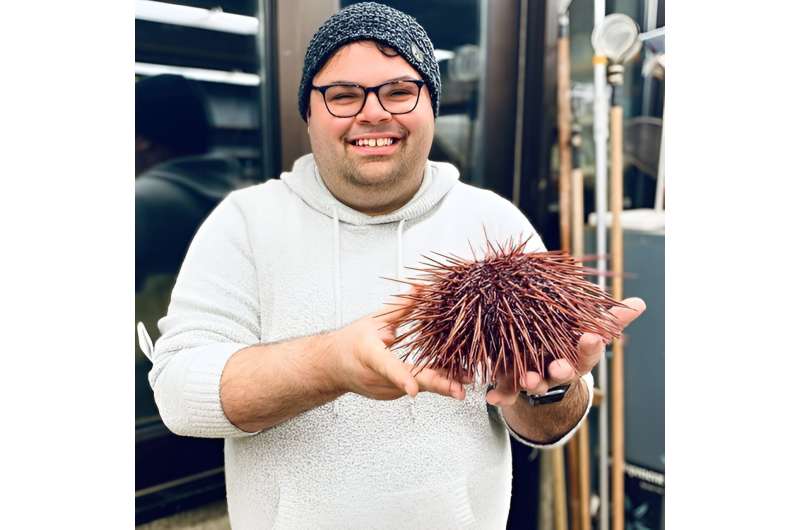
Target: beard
x=376, y=173
x=376, y=183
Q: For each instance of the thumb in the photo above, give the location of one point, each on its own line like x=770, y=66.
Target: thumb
x=383, y=362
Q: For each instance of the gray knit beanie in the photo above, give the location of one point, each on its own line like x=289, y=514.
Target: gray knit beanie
x=376, y=22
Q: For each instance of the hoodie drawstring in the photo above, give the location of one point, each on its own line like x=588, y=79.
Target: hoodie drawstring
x=400, y=226
x=337, y=286
x=337, y=270
x=412, y=410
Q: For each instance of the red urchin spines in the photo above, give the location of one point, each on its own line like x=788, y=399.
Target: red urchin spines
x=510, y=312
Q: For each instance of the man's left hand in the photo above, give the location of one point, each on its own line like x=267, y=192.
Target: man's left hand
x=590, y=348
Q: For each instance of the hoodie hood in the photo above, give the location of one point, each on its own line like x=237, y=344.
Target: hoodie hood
x=304, y=180
x=210, y=176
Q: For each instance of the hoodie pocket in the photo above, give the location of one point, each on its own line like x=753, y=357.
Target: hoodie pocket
x=443, y=506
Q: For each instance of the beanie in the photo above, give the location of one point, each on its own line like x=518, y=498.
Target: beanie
x=376, y=22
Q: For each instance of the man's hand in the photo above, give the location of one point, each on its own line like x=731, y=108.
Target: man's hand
x=267, y=384
x=559, y=372
x=364, y=365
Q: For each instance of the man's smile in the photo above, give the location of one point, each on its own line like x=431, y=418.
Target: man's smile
x=375, y=144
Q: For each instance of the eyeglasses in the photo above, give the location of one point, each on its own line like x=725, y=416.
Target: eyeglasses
x=345, y=100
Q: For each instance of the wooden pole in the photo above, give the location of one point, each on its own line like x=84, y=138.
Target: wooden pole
x=583, y=477
x=576, y=207
x=617, y=360
x=564, y=132
x=564, y=175
x=583, y=521
x=546, y=491
x=573, y=467
x=559, y=502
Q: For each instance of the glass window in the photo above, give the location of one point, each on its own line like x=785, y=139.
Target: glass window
x=198, y=137
x=642, y=101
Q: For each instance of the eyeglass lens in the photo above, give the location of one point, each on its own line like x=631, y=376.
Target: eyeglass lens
x=397, y=97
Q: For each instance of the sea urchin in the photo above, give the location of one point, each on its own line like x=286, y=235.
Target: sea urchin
x=510, y=312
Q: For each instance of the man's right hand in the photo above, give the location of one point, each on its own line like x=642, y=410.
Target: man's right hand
x=364, y=364
x=266, y=384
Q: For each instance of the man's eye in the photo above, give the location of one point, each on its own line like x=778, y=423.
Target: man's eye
x=337, y=97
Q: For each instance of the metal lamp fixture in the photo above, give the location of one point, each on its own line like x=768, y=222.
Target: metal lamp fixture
x=617, y=38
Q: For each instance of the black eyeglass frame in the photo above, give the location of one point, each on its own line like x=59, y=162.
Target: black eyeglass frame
x=367, y=90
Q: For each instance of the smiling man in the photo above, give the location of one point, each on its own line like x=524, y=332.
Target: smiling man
x=276, y=338
x=371, y=151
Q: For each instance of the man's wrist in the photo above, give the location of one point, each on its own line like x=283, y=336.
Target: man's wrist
x=576, y=397
x=549, y=423
x=326, y=360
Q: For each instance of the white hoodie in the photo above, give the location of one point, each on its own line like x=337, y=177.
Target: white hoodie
x=286, y=259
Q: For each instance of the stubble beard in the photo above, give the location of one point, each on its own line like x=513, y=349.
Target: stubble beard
x=378, y=187
x=372, y=188
x=369, y=177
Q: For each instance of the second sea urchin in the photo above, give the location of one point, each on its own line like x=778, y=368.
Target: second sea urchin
x=510, y=312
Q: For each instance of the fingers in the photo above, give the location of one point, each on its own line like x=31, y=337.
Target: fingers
x=464, y=379
x=391, y=368
x=591, y=346
x=626, y=315
x=499, y=397
x=535, y=384
x=560, y=372
x=504, y=393
x=590, y=349
x=387, y=334
x=433, y=381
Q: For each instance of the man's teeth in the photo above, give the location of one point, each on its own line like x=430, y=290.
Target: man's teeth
x=374, y=142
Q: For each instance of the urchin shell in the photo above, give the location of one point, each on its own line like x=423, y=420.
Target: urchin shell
x=510, y=312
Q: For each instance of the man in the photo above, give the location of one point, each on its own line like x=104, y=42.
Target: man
x=272, y=339
x=177, y=181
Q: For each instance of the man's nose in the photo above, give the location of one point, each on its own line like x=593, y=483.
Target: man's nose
x=372, y=111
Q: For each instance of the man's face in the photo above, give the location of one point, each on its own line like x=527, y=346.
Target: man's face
x=376, y=181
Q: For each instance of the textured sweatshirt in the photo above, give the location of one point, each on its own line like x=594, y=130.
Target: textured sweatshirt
x=286, y=259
